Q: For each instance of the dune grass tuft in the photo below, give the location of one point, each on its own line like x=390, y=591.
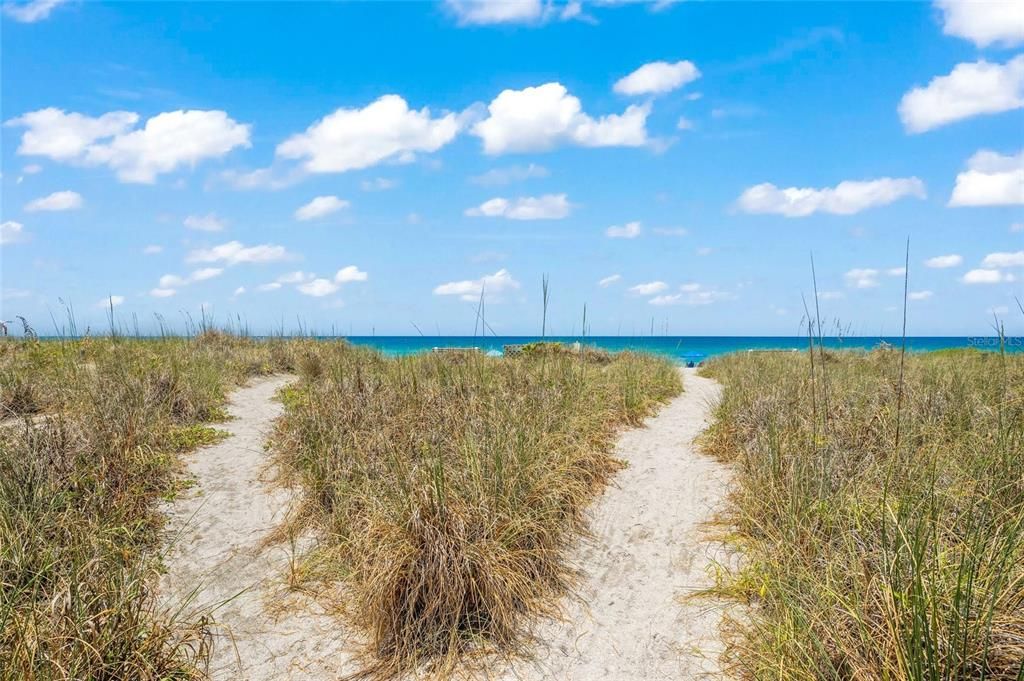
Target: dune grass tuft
x=869, y=559
x=447, y=488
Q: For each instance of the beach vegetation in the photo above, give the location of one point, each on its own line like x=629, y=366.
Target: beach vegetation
x=879, y=509
x=90, y=433
x=447, y=491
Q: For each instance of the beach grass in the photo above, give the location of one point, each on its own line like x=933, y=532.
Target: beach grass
x=879, y=499
x=448, y=488
x=879, y=507
x=88, y=447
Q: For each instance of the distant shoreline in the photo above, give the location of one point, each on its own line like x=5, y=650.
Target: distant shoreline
x=684, y=348
x=680, y=348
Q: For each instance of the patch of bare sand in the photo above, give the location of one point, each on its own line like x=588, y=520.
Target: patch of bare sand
x=219, y=558
x=633, y=619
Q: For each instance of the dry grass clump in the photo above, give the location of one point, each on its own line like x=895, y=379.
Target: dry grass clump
x=550, y=349
x=448, y=489
x=883, y=534
x=79, y=537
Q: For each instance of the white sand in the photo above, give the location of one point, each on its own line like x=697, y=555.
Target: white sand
x=218, y=530
x=648, y=552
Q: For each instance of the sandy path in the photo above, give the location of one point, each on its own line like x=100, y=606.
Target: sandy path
x=647, y=553
x=217, y=530
x=630, y=621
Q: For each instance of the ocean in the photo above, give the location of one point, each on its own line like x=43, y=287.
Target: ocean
x=681, y=348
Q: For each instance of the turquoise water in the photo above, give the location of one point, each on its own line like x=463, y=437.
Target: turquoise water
x=680, y=348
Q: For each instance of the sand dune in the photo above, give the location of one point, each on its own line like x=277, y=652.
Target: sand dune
x=631, y=620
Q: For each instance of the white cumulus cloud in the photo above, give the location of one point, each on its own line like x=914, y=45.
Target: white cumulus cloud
x=64, y=136
x=11, y=232
x=173, y=281
x=984, y=22
x=691, y=294
x=1015, y=259
x=235, y=252
x=657, y=77
x=320, y=207
x=169, y=281
x=30, y=11
x=846, y=198
x=483, y=12
x=523, y=12
x=166, y=142
x=543, y=117
x=204, y=274
x=298, y=277
x=970, y=89
x=546, y=207
x=944, y=261
x=318, y=288
x=349, y=139
x=630, y=230
x=169, y=141
x=861, y=277
x=987, y=276
x=470, y=289
x=57, y=201
x=991, y=179
x=920, y=295
x=169, y=284
x=350, y=273
x=309, y=284
x=648, y=289
x=609, y=280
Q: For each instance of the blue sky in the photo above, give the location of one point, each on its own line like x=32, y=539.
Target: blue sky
x=370, y=166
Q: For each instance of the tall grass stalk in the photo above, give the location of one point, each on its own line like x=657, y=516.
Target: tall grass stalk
x=545, y=292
